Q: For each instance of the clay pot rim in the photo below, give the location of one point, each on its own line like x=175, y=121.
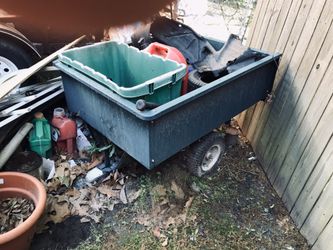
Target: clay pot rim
x=40, y=204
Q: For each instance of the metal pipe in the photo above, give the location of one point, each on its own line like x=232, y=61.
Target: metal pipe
x=10, y=148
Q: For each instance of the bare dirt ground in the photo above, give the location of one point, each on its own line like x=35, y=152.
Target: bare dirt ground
x=234, y=209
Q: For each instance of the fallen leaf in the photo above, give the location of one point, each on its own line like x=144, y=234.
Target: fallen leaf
x=61, y=198
x=98, y=159
x=189, y=202
x=165, y=242
x=82, y=210
x=107, y=190
x=177, y=190
x=170, y=221
x=59, y=212
x=60, y=171
x=115, y=176
x=96, y=206
x=95, y=217
x=144, y=220
x=157, y=232
x=121, y=181
x=110, y=207
x=159, y=190
x=84, y=220
x=231, y=131
x=133, y=195
x=123, y=196
x=107, y=178
x=73, y=193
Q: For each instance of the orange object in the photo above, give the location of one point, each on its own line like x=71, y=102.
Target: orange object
x=39, y=19
x=14, y=184
x=171, y=53
x=65, y=131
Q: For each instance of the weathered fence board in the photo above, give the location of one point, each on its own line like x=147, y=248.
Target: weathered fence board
x=292, y=136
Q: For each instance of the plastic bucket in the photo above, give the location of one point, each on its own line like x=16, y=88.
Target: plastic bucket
x=127, y=71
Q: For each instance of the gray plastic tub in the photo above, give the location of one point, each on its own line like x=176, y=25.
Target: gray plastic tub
x=153, y=136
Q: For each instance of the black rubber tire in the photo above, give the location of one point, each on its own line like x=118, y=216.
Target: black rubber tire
x=197, y=151
x=194, y=80
x=20, y=56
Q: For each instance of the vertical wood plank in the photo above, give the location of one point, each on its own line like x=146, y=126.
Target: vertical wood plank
x=320, y=215
x=325, y=240
x=314, y=186
x=253, y=24
x=264, y=25
x=259, y=22
x=310, y=156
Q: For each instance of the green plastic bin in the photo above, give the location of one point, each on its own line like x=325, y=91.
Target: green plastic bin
x=131, y=73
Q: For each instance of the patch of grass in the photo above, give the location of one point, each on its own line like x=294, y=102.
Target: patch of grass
x=138, y=240
x=146, y=186
x=96, y=239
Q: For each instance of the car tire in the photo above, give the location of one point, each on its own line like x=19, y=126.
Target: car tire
x=14, y=57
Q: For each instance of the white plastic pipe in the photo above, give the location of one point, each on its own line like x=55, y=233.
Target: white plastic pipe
x=7, y=152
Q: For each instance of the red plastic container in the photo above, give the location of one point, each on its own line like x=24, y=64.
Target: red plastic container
x=171, y=53
x=65, y=131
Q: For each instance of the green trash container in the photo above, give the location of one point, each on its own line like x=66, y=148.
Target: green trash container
x=40, y=136
x=131, y=73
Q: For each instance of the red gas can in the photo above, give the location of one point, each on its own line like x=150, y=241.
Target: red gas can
x=172, y=54
x=64, y=131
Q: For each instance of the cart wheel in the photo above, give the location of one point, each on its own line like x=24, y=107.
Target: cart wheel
x=205, y=155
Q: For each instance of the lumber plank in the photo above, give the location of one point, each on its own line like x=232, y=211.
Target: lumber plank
x=247, y=119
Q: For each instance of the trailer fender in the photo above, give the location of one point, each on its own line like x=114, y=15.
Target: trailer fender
x=8, y=32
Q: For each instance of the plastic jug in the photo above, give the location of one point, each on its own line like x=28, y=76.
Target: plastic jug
x=64, y=131
x=40, y=136
x=171, y=53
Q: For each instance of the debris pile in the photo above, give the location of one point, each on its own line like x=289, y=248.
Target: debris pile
x=67, y=195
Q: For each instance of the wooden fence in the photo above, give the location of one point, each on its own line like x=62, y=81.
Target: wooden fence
x=292, y=136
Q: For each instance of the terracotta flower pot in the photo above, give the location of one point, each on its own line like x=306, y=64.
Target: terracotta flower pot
x=13, y=184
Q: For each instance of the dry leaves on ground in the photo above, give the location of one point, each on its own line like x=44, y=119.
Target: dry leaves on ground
x=90, y=202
